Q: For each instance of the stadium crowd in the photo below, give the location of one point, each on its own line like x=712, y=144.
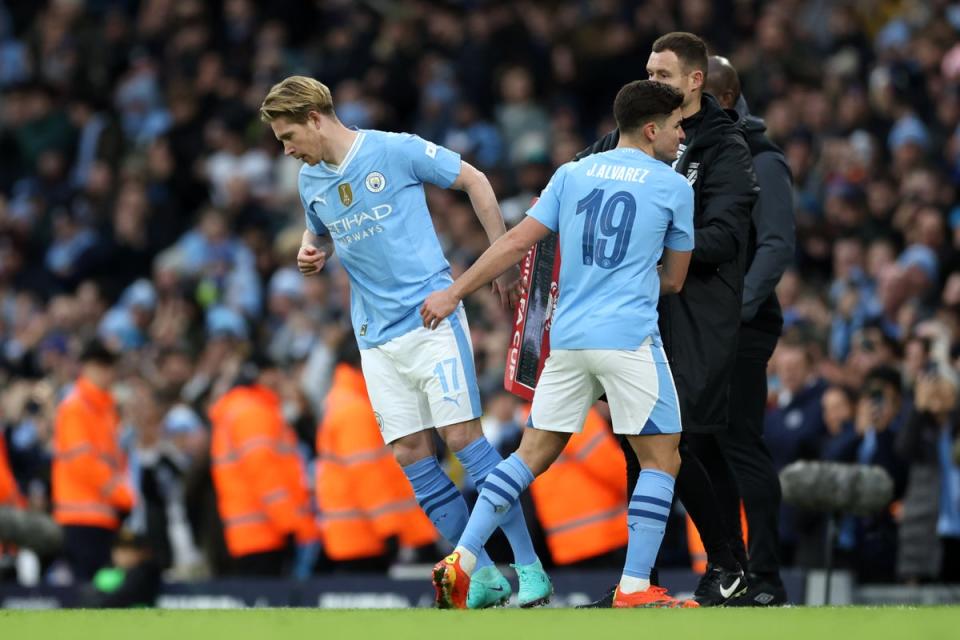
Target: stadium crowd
x=144, y=204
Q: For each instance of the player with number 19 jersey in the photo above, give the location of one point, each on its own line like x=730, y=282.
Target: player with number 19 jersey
x=615, y=212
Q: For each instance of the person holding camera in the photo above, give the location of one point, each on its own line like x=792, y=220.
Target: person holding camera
x=869, y=543
x=929, y=535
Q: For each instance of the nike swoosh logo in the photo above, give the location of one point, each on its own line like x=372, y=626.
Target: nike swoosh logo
x=495, y=588
x=726, y=593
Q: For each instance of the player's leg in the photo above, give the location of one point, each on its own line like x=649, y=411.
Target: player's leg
x=501, y=490
x=538, y=449
x=564, y=395
x=443, y=367
x=647, y=521
x=404, y=421
x=479, y=458
x=703, y=500
x=644, y=408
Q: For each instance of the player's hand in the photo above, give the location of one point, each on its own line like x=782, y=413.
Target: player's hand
x=438, y=306
x=508, y=286
x=310, y=260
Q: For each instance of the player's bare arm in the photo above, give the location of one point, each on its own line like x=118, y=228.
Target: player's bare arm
x=484, y=202
x=313, y=254
x=673, y=271
x=502, y=254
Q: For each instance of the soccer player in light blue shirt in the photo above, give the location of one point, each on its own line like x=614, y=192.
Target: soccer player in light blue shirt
x=618, y=214
x=363, y=195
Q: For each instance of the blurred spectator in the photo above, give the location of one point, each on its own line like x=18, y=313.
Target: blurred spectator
x=929, y=534
x=10, y=498
x=869, y=543
x=261, y=484
x=91, y=489
x=524, y=124
x=9, y=491
x=131, y=580
x=158, y=468
x=221, y=264
x=473, y=138
x=794, y=427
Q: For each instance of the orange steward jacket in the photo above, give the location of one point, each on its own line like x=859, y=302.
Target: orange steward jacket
x=363, y=495
x=89, y=476
x=580, y=498
x=9, y=493
x=259, y=478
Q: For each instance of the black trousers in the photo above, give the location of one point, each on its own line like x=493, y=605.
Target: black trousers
x=747, y=453
x=87, y=550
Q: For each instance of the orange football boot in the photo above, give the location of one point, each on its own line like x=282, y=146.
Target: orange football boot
x=450, y=583
x=653, y=596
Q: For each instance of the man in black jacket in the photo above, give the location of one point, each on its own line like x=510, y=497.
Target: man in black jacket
x=769, y=251
x=699, y=325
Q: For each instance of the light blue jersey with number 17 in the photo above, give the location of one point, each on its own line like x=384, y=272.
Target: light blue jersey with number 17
x=615, y=212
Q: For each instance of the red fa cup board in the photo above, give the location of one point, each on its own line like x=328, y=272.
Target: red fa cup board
x=530, y=335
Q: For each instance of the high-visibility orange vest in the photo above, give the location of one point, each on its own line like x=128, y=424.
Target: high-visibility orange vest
x=308, y=529
x=363, y=495
x=260, y=489
x=89, y=475
x=9, y=493
x=580, y=498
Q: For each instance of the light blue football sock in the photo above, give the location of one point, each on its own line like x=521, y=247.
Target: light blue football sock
x=479, y=459
x=501, y=488
x=441, y=501
x=647, y=520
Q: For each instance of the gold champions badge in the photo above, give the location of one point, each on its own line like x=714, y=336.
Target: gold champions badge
x=346, y=194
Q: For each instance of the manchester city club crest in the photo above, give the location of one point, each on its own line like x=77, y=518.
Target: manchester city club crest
x=375, y=182
x=346, y=194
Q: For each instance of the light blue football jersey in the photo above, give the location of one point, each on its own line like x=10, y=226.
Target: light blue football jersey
x=615, y=212
x=374, y=208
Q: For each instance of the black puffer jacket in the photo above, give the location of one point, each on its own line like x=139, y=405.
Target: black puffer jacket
x=699, y=325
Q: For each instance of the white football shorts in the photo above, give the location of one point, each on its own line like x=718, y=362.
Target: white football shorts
x=423, y=379
x=638, y=384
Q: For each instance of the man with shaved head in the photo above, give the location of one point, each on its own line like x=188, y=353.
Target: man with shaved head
x=769, y=252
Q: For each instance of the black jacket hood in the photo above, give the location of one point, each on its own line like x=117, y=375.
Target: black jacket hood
x=712, y=121
x=751, y=123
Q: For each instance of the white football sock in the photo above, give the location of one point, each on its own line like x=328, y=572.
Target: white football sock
x=468, y=561
x=629, y=584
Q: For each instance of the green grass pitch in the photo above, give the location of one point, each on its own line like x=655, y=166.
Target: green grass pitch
x=870, y=623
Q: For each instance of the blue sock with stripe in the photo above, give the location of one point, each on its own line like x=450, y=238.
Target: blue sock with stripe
x=647, y=520
x=501, y=488
x=479, y=459
x=441, y=501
